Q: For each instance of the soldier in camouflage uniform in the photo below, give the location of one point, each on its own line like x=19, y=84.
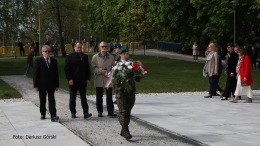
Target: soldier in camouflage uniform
x=125, y=101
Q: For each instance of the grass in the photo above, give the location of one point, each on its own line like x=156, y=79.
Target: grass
x=164, y=75
x=6, y=91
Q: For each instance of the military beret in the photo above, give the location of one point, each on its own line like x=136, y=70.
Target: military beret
x=118, y=46
x=236, y=45
x=123, y=49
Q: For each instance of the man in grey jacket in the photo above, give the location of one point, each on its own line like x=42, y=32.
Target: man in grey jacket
x=102, y=64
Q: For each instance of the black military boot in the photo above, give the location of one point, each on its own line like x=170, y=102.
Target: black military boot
x=125, y=133
x=127, y=128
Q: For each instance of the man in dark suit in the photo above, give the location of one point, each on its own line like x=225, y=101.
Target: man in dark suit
x=46, y=80
x=78, y=75
x=230, y=71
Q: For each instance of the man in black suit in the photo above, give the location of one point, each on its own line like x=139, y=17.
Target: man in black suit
x=46, y=80
x=78, y=75
x=230, y=71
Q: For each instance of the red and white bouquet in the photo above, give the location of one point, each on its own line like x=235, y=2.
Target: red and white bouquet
x=124, y=74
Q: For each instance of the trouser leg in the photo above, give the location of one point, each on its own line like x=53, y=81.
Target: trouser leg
x=72, y=104
x=110, y=105
x=52, y=103
x=228, y=87
x=99, y=99
x=83, y=98
x=42, y=95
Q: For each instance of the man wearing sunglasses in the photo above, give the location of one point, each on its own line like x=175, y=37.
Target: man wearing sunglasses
x=102, y=64
x=46, y=81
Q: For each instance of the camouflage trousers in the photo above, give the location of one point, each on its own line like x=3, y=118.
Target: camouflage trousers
x=125, y=103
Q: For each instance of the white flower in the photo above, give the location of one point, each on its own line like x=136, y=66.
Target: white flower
x=120, y=63
x=129, y=67
x=127, y=63
x=120, y=67
x=115, y=67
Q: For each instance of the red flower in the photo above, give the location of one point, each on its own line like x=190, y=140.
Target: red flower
x=136, y=64
x=136, y=67
x=145, y=70
x=142, y=66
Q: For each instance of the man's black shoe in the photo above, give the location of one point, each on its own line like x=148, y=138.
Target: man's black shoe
x=112, y=115
x=73, y=116
x=53, y=119
x=87, y=115
x=42, y=117
x=100, y=115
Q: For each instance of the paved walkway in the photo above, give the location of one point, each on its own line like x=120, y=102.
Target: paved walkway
x=20, y=125
x=210, y=121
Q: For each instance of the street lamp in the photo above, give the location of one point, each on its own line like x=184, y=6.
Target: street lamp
x=133, y=32
x=234, y=2
x=79, y=33
x=84, y=31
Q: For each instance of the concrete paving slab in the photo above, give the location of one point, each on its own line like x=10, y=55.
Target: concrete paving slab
x=2, y=114
x=15, y=142
x=211, y=121
x=36, y=124
x=21, y=125
x=7, y=134
x=3, y=119
x=5, y=126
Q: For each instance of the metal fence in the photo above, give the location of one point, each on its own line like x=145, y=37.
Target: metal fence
x=170, y=46
x=7, y=51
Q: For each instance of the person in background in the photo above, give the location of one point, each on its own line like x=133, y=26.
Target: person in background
x=211, y=69
x=91, y=42
x=95, y=45
x=20, y=45
x=117, y=58
x=218, y=50
x=36, y=53
x=253, y=57
x=47, y=42
x=29, y=61
x=195, y=48
x=55, y=48
x=73, y=44
x=111, y=47
x=231, y=62
x=258, y=62
x=244, y=77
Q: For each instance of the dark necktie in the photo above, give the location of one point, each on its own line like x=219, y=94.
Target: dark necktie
x=48, y=64
x=79, y=55
x=104, y=56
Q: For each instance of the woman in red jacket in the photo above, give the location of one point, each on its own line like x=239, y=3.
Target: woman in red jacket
x=244, y=77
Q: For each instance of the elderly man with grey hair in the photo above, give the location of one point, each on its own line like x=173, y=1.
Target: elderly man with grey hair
x=46, y=81
x=101, y=64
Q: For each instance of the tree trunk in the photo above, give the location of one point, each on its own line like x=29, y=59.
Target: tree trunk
x=60, y=30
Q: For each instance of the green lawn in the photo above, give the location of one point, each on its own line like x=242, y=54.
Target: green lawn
x=6, y=91
x=164, y=75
